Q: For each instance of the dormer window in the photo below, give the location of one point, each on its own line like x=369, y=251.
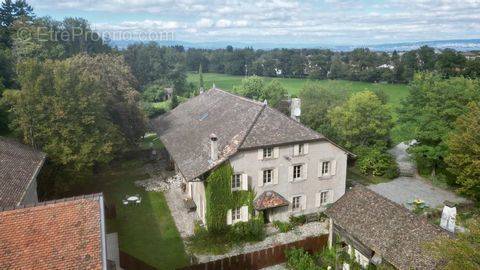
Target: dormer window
x=268, y=152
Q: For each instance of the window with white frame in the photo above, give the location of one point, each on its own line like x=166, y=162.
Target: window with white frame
x=325, y=168
x=297, y=172
x=267, y=176
x=236, y=215
x=324, y=197
x=296, y=203
x=301, y=149
x=268, y=152
x=236, y=181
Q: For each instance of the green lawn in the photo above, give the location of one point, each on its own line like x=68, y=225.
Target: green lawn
x=146, y=231
x=395, y=92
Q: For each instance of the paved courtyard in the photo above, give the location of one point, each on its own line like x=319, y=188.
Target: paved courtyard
x=404, y=190
x=409, y=186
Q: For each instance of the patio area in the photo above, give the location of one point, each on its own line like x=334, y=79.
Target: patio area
x=404, y=190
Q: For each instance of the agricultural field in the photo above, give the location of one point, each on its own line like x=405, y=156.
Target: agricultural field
x=395, y=92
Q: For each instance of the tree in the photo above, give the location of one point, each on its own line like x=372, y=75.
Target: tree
x=81, y=111
x=251, y=87
x=9, y=13
x=461, y=252
x=431, y=108
x=316, y=103
x=450, y=63
x=274, y=92
x=463, y=157
x=153, y=93
x=362, y=120
x=200, y=77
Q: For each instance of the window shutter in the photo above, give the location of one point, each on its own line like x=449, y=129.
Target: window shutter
x=333, y=167
x=295, y=150
x=244, y=213
x=304, y=202
x=305, y=171
x=330, y=196
x=260, y=178
x=260, y=154
x=244, y=181
x=229, y=217
x=275, y=176
x=290, y=173
x=276, y=152
x=317, y=199
x=305, y=148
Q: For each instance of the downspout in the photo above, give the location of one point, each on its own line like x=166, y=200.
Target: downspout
x=102, y=233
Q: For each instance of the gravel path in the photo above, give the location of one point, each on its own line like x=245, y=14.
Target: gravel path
x=299, y=233
x=184, y=220
x=409, y=186
x=404, y=190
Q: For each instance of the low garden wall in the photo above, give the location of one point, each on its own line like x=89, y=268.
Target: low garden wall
x=263, y=258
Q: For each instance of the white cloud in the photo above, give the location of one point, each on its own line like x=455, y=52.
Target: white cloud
x=339, y=20
x=204, y=23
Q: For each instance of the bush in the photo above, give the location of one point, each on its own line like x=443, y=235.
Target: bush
x=299, y=259
x=298, y=220
x=376, y=161
x=152, y=111
x=153, y=93
x=283, y=226
x=250, y=231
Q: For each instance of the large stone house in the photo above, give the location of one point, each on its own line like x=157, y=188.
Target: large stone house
x=19, y=167
x=292, y=169
x=376, y=230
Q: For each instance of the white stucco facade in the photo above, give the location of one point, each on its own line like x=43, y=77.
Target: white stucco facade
x=313, y=180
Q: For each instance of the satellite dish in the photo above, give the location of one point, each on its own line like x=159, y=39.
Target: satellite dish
x=297, y=112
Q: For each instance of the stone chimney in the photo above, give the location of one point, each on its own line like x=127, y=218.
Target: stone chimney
x=213, y=147
x=295, y=108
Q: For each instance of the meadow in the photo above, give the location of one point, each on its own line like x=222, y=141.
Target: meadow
x=395, y=92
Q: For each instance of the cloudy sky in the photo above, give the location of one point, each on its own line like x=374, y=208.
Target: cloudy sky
x=334, y=22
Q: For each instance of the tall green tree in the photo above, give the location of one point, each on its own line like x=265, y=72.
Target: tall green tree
x=10, y=12
x=81, y=111
x=316, y=103
x=463, y=158
x=362, y=121
x=431, y=108
x=200, y=77
x=274, y=92
x=251, y=87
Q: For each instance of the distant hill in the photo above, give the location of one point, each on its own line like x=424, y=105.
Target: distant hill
x=460, y=45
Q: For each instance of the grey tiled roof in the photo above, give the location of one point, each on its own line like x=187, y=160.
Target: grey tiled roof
x=238, y=122
x=19, y=165
x=387, y=228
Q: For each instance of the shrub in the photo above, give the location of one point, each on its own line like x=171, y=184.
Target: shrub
x=153, y=93
x=283, y=226
x=299, y=259
x=376, y=161
x=152, y=111
x=298, y=220
x=250, y=231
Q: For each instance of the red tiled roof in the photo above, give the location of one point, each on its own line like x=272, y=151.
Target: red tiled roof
x=64, y=234
x=269, y=199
